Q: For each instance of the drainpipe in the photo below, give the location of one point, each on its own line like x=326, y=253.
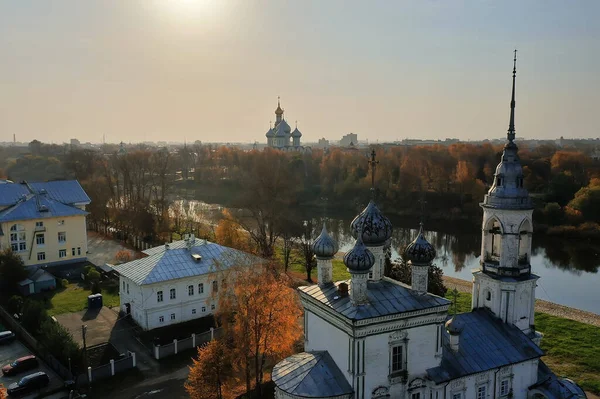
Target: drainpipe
x=495, y=379
x=446, y=386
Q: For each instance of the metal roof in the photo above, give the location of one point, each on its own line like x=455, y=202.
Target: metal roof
x=485, y=343
x=385, y=297
x=65, y=191
x=554, y=387
x=310, y=374
x=31, y=209
x=176, y=262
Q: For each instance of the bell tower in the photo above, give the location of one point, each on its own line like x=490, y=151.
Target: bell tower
x=504, y=282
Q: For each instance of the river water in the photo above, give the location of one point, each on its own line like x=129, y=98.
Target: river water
x=568, y=269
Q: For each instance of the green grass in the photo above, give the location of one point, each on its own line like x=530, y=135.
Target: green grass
x=571, y=347
x=73, y=298
x=339, y=269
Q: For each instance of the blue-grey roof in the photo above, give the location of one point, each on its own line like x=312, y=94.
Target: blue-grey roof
x=554, y=387
x=485, y=343
x=385, y=297
x=311, y=375
x=31, y=209
x=163, y=264
x=65, y=191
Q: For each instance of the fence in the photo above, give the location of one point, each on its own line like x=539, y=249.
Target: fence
x=177, y=346
x=113, y=367
x=34, y=345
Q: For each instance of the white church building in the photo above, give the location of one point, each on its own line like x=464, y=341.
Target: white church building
x=374, y=337
x=177, y=282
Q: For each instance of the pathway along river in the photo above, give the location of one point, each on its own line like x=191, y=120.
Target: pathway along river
x=568, y=269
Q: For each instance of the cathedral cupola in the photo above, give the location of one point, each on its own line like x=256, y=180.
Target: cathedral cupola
x=296, y=135
x=278, y=111
x=419, y=254
x=359, y=261
x=375, y=228
x=324, y=248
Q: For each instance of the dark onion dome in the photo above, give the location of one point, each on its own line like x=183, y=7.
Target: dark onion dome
x=359, y=259
x=278, y=111
x=454, y=326
x=376, y=228
x=296, y=133
x=324, y=246
x=420, y=251
x=270, y=133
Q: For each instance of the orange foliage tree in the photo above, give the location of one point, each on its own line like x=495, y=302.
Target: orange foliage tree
x=228, y=233
x=260, y=316
x=123, y=256
x=209, y=372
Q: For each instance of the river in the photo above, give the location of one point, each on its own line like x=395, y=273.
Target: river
x=568, y=269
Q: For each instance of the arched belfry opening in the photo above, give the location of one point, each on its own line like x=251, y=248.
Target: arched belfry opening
x=493, y=240
x=525, y=233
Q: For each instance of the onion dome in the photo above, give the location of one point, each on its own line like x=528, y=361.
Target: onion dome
x=278, y=111
x=283, y=129
x=324, y=246
x=359, y=259
x=270, y=133
x=296, y=133
x=454, y=326
x=420, y=251
x=376, y=228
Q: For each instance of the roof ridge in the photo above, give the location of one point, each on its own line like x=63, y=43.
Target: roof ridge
x=317, y=361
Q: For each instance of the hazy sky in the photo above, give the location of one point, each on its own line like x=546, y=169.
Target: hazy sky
x=211, y=70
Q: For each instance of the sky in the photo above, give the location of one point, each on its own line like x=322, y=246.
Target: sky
x=211, y=70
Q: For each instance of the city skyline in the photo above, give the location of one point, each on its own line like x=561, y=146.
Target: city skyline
x=208, y=70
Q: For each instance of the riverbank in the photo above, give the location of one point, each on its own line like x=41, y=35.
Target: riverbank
x=541, y=306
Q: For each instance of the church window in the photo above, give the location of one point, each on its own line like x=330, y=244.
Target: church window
x=481, y=392
x=504, y=387
x=496, y=238
x=524, y=241
x=416, y=395
x=190, y=290
x=457, y=395
x=161, y=319
x=201, y=288
x=172, y=294
x=488, y=295
x=159, y=295
x=172, y=316
x=397, y=361
x=18, y=238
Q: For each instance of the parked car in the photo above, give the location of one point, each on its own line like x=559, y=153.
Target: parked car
x=29, y=383
x=20, y=365
x=6, y=337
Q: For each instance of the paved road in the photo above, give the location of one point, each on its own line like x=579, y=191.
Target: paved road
x=102, y=249
x=15, y=350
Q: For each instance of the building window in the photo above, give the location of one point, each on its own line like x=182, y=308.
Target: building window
x=161, y=319
x=488, y=295
x=371, y=274
x=457, y=395
x=18, y=238
x=200, y=288
x=61, y=222
x=193, y=311
x=123, y=285
x=203, y=309
x=416, y=395
x=39, y=224
x=41, y=256
x=481, y=394
x=172, y=293
x=215, y=286
x=397, y=358
x=73, y=251
x=62, y=253
x=39, y=239
x=190, y=290
x=62, y=237
x=128, y=288
x=440, y=337
x=172, y=316
x=504, y=387
x=212, y=307
x=159, y=296
x=78, y=250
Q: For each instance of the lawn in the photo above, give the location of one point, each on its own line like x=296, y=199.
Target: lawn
x=73, y=298
x=339, y=269
x=571, y=347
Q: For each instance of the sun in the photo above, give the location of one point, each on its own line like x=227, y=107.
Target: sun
x=190, y=6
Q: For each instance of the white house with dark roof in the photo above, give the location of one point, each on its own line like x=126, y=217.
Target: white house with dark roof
x=44, y=222
x=176, y=282
x=373, y=337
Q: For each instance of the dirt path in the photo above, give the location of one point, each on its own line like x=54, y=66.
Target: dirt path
x=540, y=305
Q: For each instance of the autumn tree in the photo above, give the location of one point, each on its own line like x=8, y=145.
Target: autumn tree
x=260, y=314
x=228, y=232
x=12, y=271
x=209, y=371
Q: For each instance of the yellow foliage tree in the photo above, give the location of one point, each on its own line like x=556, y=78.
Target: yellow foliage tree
x=208, y=372
x=228, y=233
x=260, y=314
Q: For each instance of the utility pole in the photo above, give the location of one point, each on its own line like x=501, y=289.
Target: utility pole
x=85, y=362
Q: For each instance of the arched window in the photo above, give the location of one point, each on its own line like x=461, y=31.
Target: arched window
x=524, y=241
x=496, y=239
x=18, y=238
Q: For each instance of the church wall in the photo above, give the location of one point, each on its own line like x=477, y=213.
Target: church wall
x=325, y=336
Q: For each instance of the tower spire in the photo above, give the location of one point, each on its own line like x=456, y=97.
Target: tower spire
x=511, y=125
x=373, y=164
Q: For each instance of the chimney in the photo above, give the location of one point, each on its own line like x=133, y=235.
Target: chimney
x=166, y=246
x=343, y=289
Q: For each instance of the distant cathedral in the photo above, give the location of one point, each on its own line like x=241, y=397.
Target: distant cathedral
x=281, y=135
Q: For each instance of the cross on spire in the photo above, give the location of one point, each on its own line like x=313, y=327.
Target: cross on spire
x=373, y=164
x=511, y=125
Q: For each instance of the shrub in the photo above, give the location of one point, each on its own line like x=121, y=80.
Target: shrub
x=402, y=272
x=12, y=270
x=93, y=276
x=123, y=256
x=58, y=342
x=15, y=304
x=34, y=314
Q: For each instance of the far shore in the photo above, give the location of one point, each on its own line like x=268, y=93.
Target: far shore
x=542, y=306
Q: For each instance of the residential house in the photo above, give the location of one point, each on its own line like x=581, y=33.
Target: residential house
x=176, y=282
x=44, y=222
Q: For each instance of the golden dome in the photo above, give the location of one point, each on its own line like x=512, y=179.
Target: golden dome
x=278, y=111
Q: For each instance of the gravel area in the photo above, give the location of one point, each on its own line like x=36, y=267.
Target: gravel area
x=542, y=306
